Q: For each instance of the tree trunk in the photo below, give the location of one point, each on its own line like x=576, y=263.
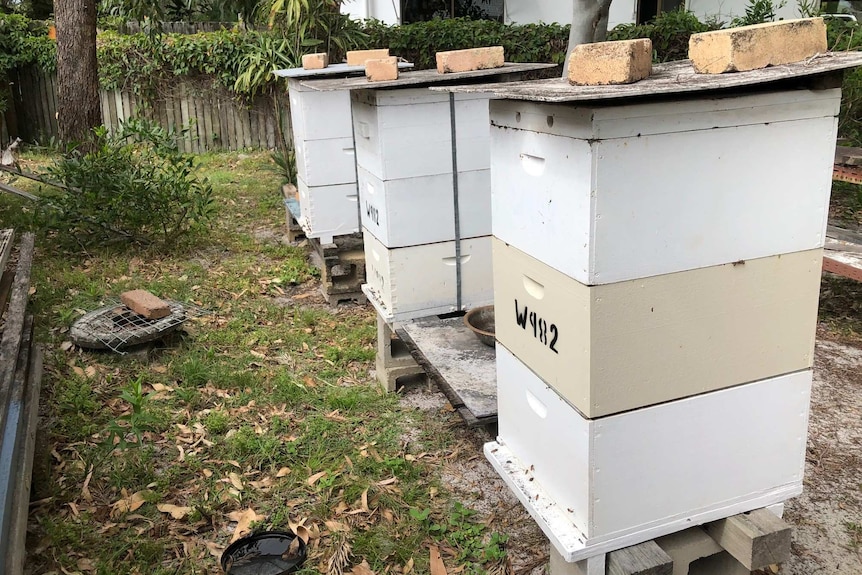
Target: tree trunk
x=78, y=106
x=589, y=24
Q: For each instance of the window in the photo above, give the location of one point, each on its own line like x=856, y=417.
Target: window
x=420, y=10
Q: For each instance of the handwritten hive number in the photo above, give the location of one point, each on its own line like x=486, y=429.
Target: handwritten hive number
x=372, y=213
x=541, y=329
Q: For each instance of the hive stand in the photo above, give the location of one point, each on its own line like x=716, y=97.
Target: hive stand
x=394, y=360
x=733, y=546
x=342, y=268
x=295, y=233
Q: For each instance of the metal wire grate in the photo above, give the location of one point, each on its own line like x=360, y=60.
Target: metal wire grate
x=116, y=327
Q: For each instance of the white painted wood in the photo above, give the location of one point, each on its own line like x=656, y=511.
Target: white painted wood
x=318, y=115
x=607, y=194
x=646, y=470
x=621, y=346
x=326, y=162
x=573, y=545
x=420, y=281
x=407, y=133
x=328, y=211
x=415, y=211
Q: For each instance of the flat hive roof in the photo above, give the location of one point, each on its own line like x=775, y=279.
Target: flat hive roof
x=666, y=79
x=420, y=78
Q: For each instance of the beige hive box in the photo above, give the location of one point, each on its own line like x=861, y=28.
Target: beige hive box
x=627, y=345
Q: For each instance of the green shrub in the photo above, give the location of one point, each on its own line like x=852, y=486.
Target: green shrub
x=668, y=31
x=133, y=187
x=418, y=42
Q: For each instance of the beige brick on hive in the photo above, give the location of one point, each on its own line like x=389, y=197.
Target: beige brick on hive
x=470, y=59
x=146, y=304
x=315, y=61
x=758, y=46
x=602, y=63
x=358, y=57
x=382, y=69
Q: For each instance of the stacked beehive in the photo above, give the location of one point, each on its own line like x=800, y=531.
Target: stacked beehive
x=426, y=252
x=325, y=162
x=656, y=275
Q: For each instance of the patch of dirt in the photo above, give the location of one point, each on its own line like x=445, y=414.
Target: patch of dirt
x=826, y=519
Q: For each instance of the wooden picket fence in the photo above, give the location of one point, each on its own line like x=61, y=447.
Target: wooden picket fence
x=215, y=120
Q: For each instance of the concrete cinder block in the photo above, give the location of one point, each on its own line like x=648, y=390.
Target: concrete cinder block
x=470, y=59
x=602, y=63
x=146, y=304
x=315, y=61
x=358, y=57
x=686, y=547
x=382, y=70
x=757, y=46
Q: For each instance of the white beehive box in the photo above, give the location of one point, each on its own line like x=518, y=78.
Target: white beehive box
x=420, y=281
x=415, y=211
x=611, y=193
x=621, y=346
x=318, y=115
x=328, y=211
x=407, y=133
x=326, y=162
x=653, y=471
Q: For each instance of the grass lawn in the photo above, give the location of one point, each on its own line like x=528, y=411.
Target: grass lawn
x=262, y=415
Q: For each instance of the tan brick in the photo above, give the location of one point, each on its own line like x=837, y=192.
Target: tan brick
x=758, y=46
x=315, y=61
x=146, y=304
x=470, y=59
x=603, y=63
x=358, y=57
x=381, y=70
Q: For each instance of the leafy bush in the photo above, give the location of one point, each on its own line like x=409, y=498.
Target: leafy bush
x=419, y=41
x=24, y=42
x=135, y=186
x=668, y=31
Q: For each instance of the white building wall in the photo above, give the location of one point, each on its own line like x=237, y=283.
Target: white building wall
x=388, y=11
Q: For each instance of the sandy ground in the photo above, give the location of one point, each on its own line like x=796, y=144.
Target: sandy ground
x=827, y=518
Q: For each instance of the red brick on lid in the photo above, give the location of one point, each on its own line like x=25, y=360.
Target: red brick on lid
x=758, y=46
x=470, y=59
x=317, y=61
x=358, y=57
x=603, y=63
x=145, y=304
x=382, y=70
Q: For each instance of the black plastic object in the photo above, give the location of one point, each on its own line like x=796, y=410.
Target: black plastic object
x=265, y=553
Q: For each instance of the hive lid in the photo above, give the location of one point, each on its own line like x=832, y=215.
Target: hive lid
x=670, y=78
x=421, y=78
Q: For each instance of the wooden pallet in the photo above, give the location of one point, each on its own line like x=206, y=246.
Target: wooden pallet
x=736, y=545
x=20, y=381
x=843, y=254
x=342, y=268
x=295, y=233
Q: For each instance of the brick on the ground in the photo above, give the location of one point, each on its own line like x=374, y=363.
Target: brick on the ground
x=382, y=70
x=359, y=57
x=145, y=304
x=317, y=61
x=470, y=59
x=758, y=46
x=603, y=63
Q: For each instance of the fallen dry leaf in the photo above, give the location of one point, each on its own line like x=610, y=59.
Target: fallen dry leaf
x=85, y=489
x=235, y=480
x=362, y=569
x=215, y=549
x=176, y=511
x=315, y=478
x=408, y=567
x=244, y=519
x=302, y=533
x=129, y=503
x=283, y=472
x=437, y=565
x=85, y=564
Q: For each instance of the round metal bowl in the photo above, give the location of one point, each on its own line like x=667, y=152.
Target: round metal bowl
x=480, y=320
